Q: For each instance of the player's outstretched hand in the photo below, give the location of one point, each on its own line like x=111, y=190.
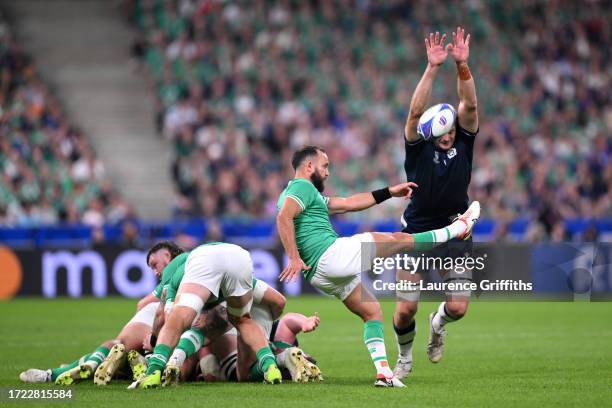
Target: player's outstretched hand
x=436, y=51
x=460, y=48
x=293, y=269
x=403, y=189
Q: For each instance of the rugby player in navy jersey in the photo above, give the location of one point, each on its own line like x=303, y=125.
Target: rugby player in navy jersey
x=442, y=168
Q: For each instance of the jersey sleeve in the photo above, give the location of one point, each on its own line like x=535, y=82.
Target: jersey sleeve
x=467, y=138
x=157, y=292
x=170, y=294
x=174, y=284
x=303, y=192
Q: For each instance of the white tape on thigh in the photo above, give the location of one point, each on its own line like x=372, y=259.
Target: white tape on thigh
x=168, y=306
x=190, y=300
x=240, y=311
x=259, y=290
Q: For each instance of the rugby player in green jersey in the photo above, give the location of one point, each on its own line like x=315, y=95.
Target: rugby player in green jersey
x=211, y=271
x=334, y=264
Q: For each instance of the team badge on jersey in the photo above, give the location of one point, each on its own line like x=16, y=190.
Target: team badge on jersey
x=451, y=153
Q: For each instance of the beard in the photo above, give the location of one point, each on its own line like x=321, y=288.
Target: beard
x=317, y=181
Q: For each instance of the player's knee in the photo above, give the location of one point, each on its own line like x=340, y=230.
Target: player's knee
x=374, y=312
x=457, y=309
x=405, y=312
x=180, y=318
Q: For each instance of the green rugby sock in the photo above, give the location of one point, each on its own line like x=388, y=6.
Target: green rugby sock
x=374, y=339
x=190, y=342
x=255, y=373
x=56, y=372
x=159, y=358
x=265, y=358
x=424, y=241
x=98, y=356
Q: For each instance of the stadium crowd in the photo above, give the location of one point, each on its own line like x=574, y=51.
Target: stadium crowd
x=241, y=84
x=49, y=172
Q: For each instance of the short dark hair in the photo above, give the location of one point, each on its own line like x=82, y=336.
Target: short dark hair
x=303, y=153
x=174, y=249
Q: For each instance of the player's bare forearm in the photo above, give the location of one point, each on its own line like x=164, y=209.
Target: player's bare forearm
x=150, y=298
x=286, y=232
x=356, y=202
x=419, y=101
x=467, y=112
x=362, y=201
x=468, y=104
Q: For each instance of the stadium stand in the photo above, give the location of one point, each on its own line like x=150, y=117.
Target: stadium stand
x=49, y=171
x=239, y=87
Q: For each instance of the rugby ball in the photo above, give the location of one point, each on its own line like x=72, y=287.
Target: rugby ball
x=436, y=121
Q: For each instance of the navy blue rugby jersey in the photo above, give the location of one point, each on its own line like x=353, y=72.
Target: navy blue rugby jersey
x=443, y=178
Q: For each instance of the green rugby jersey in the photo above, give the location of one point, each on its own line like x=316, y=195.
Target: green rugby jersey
x=168, y=272
x=313, y=230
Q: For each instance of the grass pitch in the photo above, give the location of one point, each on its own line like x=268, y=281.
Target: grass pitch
x=501, y=354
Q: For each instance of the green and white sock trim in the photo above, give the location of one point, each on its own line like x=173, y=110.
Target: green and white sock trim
x=424, y=241
x=374, y=339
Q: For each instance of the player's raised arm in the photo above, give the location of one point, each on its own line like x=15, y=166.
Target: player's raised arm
x=467, y=111
x=362, y=201
x=436, y=55
x=286, y=231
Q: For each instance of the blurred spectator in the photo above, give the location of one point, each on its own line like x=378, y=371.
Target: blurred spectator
x=214, y=231
x=98, y=237
x=186, y=241
x=48, y=171
x=130, y=235
x=591, y=234
x=239, y=88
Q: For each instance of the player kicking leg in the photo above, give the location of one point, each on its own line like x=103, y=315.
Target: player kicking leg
x=210, y=269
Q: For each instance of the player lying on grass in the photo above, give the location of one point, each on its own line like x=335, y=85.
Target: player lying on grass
x=334, y=265
x=268, y=305
x=111, y=352
x=217, y=361
x=211, y=271
x=282, y=335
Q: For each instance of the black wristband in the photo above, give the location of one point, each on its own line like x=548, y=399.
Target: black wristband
x=381, y=195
